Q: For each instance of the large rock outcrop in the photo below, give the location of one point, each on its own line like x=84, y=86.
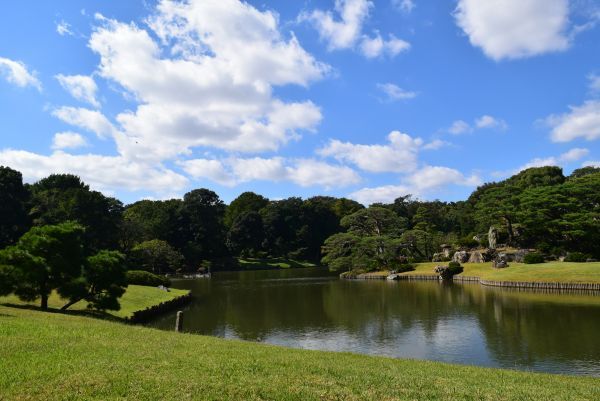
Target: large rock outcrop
x=461, y=257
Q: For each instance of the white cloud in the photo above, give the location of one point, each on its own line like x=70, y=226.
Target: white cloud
x=594, y=83
x=303, y=172
x=400, y=155
x=104, y=173
x=509, y=29
x=460, y=127
x=216, y=89
x=81, y=87
x=581, y=122
x=17, y=73
x=484, y=122
x=570, y=156
x=68, y=140
x=488, y=121
x=406, y=6
x=436, y=144
x=63, y=28
x=372, y=47
x=343, y=29
x=90, y=120
x=394, y=92
x=342, y=32
x=591, y=163
x=424, y=181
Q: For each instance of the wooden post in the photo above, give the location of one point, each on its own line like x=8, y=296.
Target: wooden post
x=179, y=322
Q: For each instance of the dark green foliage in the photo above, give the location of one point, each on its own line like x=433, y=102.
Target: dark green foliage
x=454, y=268
x=102, y=283
x=580, y=172
x=468, y=242
x=13, y=199
x=146, y=220
x=156, y=256
x=63, y=197
x=202, y=228
x=577, y=257
x=142, y=277
x=533, y=258
x=245, y=203
x=246, y=235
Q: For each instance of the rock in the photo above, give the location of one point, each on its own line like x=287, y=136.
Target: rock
x=438, y=257
x=443, y=271
x=461, y=257
x=446, y=250
x=492, y=237
x=519, y=256
x=500, y=262
x=476, y=257
x=393, y=277
x=591, y=260
x=561, y=258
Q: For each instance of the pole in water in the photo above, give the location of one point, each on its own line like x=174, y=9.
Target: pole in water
x=179, y=322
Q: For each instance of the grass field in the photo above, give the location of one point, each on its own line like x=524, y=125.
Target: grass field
x=545, y=272
x=272, y=263
x=136, y=298
x=52, y=356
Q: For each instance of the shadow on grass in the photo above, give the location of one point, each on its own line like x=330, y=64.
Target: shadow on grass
x=87, y=313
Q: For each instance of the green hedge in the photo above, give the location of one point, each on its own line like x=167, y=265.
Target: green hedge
x=533, y=258
x=142, y=277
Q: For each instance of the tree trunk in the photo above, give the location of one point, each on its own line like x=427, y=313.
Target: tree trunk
x=44, y=304
x=70, y=303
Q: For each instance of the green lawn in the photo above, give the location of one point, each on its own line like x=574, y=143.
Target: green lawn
x=51, y=356
x=545, y=272
x=136, y=298
x=272, y=263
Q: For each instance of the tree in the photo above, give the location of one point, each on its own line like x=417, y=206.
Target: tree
x=64, y=197
x=45, y=259
x=246, y=202
x=146, y=220
x=282, y=222
x=246, y=235
x=102, y=283
x=156, y=256
x=13, y=198
x=374, y=221
x=202, y=228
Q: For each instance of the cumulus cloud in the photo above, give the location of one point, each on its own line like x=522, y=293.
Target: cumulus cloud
x=393, y=92
x=422, y=182
x=399, y=156
x=580, y=122
x=68, y=140
x=103, y=173
x=216, y=89
x=570, y=156
x=510, y=29
x=303, y=172
x=90, y=120
x=376, y=46
x=436, y=144
x=81, y=87
x=484, y=122
x=15, y=72
x=342, y=28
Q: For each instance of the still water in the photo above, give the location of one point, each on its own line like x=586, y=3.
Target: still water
x=457, y=323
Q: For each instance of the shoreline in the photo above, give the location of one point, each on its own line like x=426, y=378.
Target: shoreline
x=595, y=287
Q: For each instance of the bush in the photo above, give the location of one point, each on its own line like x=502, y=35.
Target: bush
x=455, y=268
x=142, y=277
x=468, y=242
x=578, y=257
x=404, y=267
x=533, y=258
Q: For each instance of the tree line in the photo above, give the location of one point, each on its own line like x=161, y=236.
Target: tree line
x=537, y=208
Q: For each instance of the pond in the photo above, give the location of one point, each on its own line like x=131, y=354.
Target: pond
x=457, y=322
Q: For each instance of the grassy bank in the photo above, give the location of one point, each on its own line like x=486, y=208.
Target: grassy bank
x=136, y=298
x=271, y=263
x=53, y=356
x=551, y=272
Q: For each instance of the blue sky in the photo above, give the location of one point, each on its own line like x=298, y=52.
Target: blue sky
x=363, y=99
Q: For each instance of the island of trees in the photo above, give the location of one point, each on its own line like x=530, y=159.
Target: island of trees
x=59, y=235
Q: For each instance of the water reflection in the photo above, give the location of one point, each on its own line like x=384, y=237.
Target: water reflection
x=460, y=323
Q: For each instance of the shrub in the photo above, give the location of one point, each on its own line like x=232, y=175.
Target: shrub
x=404, y=267
x=455, y=268
x=142, y=277
x=578, y=257
x=468, y=242
x=533, y=258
